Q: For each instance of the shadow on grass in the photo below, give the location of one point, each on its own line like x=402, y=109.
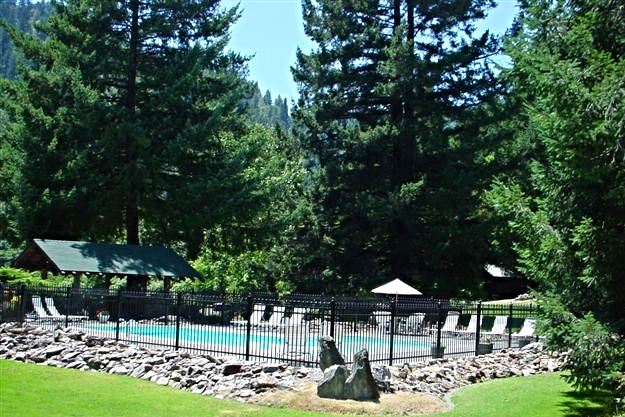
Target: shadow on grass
x=587, y=404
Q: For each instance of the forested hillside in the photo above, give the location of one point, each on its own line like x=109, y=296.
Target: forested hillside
x=22, y=14
x=262, y=109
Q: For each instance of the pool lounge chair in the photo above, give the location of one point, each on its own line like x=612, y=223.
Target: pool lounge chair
x=296, y=318
x=276, y=319
x=41, y=312
x=499, y=327
x=528, y=329
x=451, y=322
x=257, y=318
x=473, y=324
x=382, y=319
x=55, y=313
x=412, y=324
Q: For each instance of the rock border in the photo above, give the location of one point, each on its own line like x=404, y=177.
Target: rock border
x=247, y=380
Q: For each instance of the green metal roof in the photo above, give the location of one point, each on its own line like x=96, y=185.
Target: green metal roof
x=72, y=256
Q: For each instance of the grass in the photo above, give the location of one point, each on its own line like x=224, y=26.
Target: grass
x=544, y=395
x=34, y=391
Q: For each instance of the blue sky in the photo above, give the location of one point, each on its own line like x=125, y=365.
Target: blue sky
x=271, y=30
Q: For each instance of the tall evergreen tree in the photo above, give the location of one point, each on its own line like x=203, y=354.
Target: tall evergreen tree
x=125, y=115
x=391, y=104
x=567, y=217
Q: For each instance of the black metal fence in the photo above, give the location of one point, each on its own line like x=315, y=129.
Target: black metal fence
x=267, y=327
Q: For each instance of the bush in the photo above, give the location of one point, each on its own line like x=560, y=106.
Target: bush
x=16, y=276
x=596, y=352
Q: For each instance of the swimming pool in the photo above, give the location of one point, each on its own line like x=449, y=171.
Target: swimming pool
x=236, y=338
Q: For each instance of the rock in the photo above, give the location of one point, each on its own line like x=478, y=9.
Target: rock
x=382, y=376
x=332, y=385
x=360, y=385
x=270, y=368
x=328, y=353
x=265, y=381
x=302, y=372
x=94, y=341
x=140, y=370
x=246, y=393
x=119, y=370
x=230, y=368
x=75, y=365
x=162, y=380
x=94, y=363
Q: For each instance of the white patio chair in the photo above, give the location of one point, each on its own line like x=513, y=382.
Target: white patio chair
x=413, y=323
x=41, y=312
x=451, y=322
x=382, y=319
x=276, y=318
x=55, y=313
x=528, y=329
x=473, y=324
x=499, y=327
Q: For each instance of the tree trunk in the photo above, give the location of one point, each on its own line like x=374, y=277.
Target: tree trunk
x=132, y=197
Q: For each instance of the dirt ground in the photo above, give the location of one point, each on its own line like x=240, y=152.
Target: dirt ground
x=397, y=404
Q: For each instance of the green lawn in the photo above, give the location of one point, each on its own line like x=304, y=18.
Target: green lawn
x=536, y=396
x=36, y=391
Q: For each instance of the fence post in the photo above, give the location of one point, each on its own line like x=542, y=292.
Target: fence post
x=248, y=330
x=392, y=330
x=178, y=303
x=332, y=316
x=68, y=306
x=477, y=328
x=22, y=305
x=510, y=327
x=439, y=327
x=119, y=312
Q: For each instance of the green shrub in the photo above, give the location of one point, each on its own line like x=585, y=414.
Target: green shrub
x=596, y=353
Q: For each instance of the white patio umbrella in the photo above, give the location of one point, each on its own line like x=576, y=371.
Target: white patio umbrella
x=397, y=287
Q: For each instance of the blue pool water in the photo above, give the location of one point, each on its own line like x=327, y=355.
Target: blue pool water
x=210, y=335
x=375, y=343
x=227, y=337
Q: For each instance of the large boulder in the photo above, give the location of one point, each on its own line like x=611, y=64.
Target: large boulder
x=360, y=385
x=328, y=353
x=332, y=385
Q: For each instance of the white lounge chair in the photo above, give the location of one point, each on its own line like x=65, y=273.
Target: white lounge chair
x=55, y=313
x=528, y=329
x=41, y=312
x=382, y=319
x=473, y=324
x=499, y=326
x=296, y=318
x=276, y=318
x=257, y=318
x=451, y=322
x=413, y=323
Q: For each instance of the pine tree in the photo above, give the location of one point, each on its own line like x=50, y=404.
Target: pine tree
x=390, y=108
x=127, y=113
x=566, y=219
